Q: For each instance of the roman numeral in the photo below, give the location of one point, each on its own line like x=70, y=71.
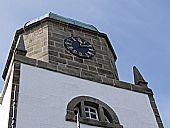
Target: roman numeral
x=80, y=54
x=87, y=55
x=74, y=51
x=68, y=43
x=90, y=53
x=73, y=39
x=92, y=50
x=70, y=47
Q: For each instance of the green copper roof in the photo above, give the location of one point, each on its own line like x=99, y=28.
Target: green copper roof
x=63, y=19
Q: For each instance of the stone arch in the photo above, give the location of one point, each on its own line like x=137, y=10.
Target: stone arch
x=103, y=111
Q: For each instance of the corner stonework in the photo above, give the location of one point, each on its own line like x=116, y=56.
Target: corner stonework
x=14, y=96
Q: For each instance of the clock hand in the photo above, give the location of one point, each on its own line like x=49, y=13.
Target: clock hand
x=84, y=45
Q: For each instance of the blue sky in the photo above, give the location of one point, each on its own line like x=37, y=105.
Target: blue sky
x=138, y=29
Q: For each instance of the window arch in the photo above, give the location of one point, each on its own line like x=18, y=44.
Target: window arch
x=93, y=112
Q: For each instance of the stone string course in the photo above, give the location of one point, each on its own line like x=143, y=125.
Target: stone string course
x=84, y=74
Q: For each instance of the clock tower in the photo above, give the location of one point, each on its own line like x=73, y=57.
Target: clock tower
x=61, y=73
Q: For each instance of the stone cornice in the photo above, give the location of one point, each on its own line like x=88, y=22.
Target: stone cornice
x=55, y=68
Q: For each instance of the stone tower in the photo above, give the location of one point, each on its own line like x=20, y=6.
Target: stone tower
x=60, y=71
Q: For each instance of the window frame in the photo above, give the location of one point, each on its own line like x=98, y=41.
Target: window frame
x=90, y=112
x=103, y=111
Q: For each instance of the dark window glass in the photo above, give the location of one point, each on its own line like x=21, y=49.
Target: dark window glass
x=93, y=116
x=86, y=109
x=92, y=110
x=87, y=115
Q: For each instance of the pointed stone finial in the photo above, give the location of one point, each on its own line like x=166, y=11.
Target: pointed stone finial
x=21, y=46
x=138, y=78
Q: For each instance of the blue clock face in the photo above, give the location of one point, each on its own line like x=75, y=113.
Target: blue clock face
x=79, y=47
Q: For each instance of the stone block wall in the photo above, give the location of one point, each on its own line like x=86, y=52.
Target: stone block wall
x=45, y=42
x=36, y=42
x=101, y=66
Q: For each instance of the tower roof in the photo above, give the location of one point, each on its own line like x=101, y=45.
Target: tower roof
x=63, y=19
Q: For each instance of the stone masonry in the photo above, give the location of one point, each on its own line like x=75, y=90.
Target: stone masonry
x=45, y=42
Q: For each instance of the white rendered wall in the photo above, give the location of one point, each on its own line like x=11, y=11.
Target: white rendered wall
x=44, y=96
x=5, y=106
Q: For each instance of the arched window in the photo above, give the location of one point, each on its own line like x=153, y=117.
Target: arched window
x=93, y=112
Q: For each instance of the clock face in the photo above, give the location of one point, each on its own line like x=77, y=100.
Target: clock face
x=79, y=47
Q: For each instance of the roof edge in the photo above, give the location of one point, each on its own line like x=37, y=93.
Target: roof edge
x=63, y=19
x=53, y=67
